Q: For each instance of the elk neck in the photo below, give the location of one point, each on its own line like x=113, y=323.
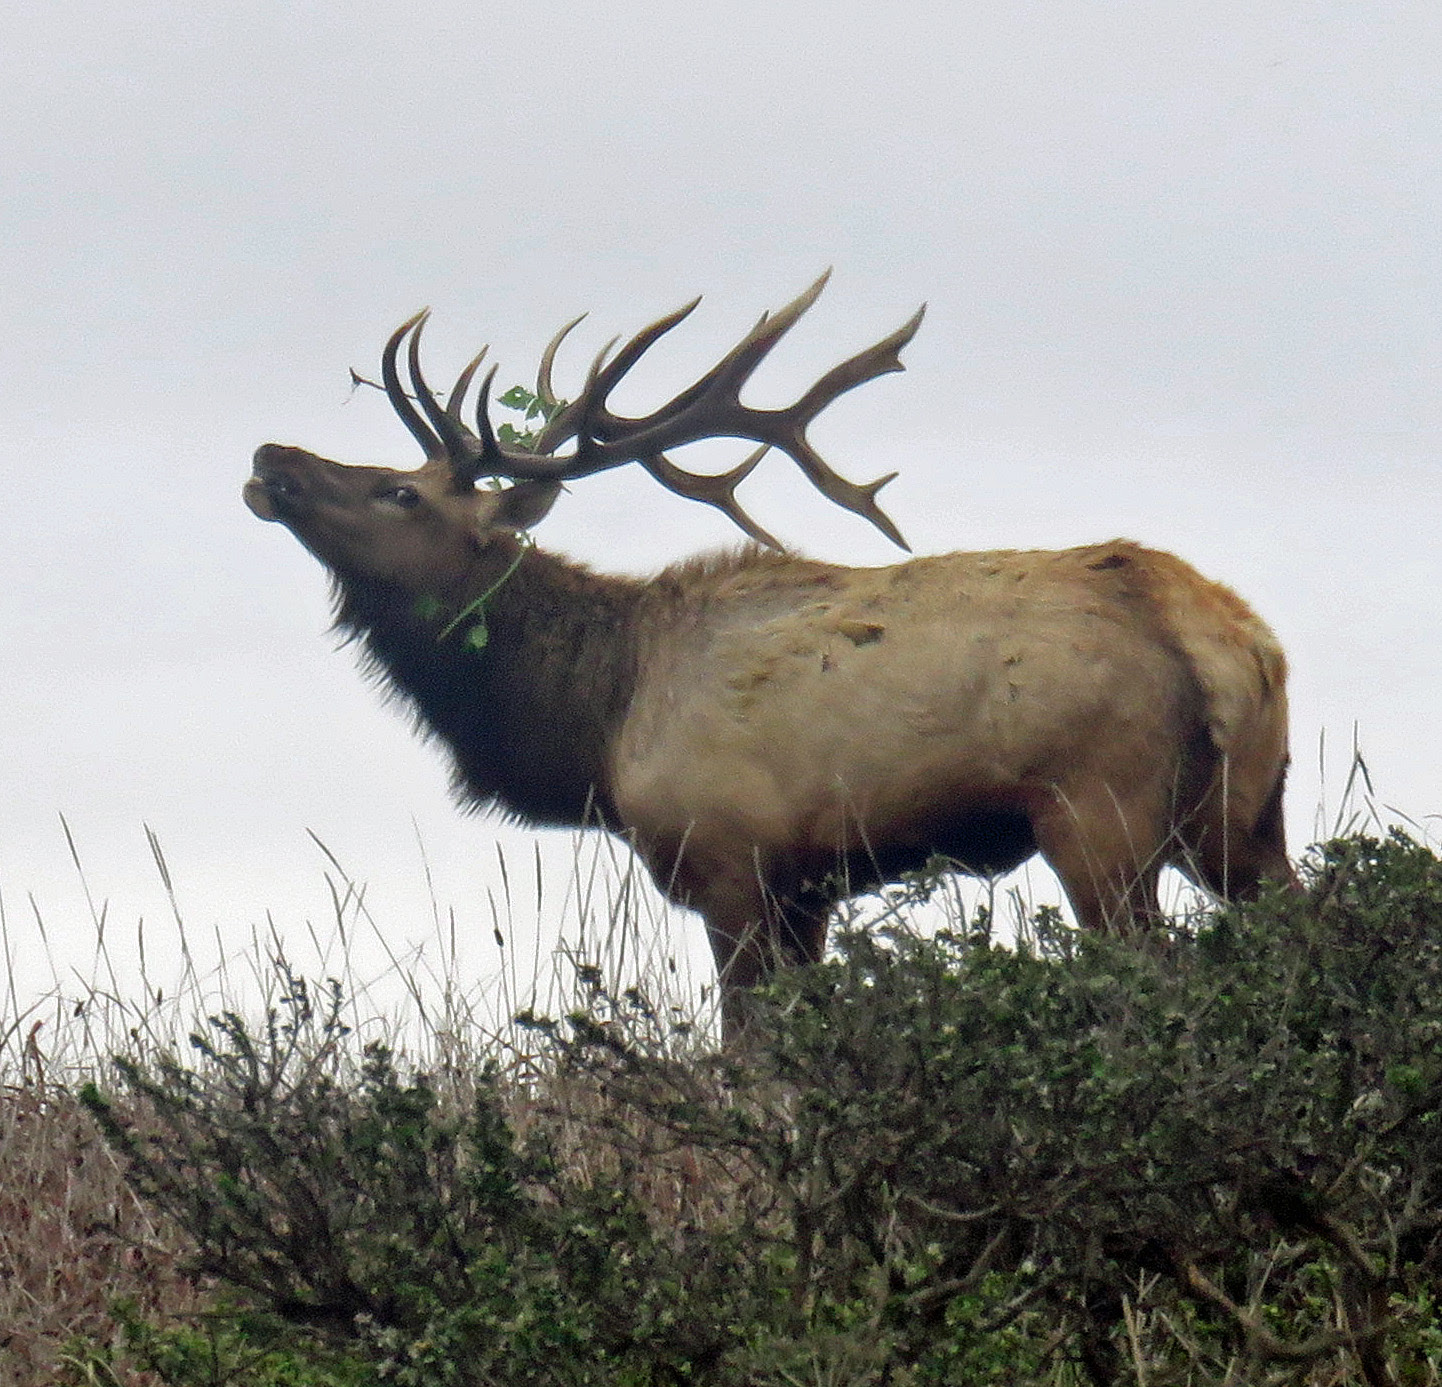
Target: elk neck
x=531, y=716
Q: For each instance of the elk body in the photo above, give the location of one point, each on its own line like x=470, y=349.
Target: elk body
x=770, y=732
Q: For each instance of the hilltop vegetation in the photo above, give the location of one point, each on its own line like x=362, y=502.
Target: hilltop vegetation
x=1212, y=1157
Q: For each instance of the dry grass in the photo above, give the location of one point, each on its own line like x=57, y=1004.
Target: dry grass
x=73, y=1239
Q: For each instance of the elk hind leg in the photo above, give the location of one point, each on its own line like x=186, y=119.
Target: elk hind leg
x=1232, y=846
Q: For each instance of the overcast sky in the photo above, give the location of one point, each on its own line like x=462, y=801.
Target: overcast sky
x=1184, y=278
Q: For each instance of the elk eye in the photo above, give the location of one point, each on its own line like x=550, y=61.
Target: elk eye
x=404, y=496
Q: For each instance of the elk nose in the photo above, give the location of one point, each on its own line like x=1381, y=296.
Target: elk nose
x=271, y=454
x=276, y=481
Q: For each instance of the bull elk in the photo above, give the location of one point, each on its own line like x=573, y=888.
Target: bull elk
x=771, y=732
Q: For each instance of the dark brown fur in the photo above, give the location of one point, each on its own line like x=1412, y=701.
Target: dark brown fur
x=527, y=720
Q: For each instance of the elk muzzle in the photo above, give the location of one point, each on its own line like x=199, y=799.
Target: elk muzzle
x=283, y=482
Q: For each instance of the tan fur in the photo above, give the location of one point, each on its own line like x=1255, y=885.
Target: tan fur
x=1131, y=710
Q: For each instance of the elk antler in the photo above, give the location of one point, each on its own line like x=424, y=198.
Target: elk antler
x=711, y=408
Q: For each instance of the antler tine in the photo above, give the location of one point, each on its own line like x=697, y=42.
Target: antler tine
x=460, y=448
x=457, y=396
x=609, y=440
x=603, y=377
x=644, y=340
x=879, y=360
x=545, y=393
x=857, y=497
x=740, y=363
x=574, y=421
x=715, y=489
x=492, y=459
x=430, y=443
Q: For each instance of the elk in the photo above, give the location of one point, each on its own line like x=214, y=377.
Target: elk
x=773, y=733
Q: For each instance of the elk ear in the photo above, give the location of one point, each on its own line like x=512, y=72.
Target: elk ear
x=525, y=504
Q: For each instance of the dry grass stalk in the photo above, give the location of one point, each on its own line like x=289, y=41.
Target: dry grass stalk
x=73, y=1239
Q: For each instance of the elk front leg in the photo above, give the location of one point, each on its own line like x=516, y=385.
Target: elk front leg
x=733, y=893
x=745, y=946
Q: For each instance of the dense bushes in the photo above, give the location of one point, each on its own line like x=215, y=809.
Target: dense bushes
x=1210, y=1157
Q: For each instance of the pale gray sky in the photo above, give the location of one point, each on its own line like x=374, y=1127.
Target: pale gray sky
x=1185, y=284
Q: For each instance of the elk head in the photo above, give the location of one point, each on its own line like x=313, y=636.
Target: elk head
x=421, y=530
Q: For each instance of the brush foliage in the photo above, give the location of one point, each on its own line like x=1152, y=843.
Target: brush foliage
x=1211, y=1158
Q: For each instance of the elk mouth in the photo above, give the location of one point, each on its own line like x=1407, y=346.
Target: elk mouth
x=272, y=493
x=266, y=496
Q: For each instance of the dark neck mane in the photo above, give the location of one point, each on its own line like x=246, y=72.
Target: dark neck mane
x=531, y=717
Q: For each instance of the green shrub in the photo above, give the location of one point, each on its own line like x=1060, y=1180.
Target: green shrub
x=1209, y=1157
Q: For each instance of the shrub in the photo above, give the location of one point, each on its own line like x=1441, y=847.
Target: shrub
x=1210, y=1157
x=378, y=1222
